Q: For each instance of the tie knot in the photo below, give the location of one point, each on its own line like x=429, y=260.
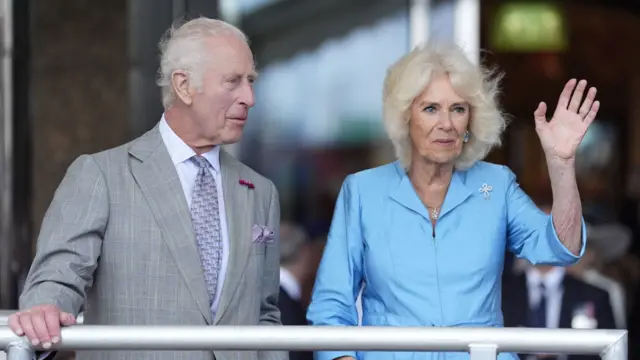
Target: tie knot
x=201, y=161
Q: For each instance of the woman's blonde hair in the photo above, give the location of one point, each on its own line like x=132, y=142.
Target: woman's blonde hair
x=411, y=74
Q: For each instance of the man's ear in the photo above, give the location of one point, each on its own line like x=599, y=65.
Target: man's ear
x=181, y=86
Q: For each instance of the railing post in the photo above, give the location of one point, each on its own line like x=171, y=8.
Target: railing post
x=618, y=350
x=483, y=351
x=19, y=350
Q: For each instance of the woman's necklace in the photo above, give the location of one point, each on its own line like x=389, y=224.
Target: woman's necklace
x=435, y=213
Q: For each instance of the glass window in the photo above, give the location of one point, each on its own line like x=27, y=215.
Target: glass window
x=318, y=112
x=331, y=94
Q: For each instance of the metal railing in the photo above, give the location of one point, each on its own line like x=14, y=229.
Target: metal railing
x=481, y=343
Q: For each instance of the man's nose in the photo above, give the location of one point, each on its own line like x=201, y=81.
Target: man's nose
x=247, y=98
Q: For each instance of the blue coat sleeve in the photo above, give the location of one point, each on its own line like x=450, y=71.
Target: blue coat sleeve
x=339, y=276
x=531, y=233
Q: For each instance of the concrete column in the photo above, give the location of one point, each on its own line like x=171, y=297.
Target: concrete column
x=8, y=76
x=78, y=89
x=148, y=21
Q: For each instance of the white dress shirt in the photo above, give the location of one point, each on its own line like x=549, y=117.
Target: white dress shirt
x=552, y=281
x=180, y=154
x=290, y=284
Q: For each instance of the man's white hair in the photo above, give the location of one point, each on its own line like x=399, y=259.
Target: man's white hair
x=182, y=49
x=410, y=75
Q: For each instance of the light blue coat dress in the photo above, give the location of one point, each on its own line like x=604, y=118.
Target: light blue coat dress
x=416, y=275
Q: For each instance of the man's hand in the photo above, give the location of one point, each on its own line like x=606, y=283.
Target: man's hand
x=40, y=324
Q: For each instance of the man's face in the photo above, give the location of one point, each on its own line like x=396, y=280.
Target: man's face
x=221, y=106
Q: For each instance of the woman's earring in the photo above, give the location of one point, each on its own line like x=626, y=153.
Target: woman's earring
x=466, y=136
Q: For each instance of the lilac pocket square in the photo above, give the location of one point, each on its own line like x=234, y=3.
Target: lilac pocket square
x=262, y=234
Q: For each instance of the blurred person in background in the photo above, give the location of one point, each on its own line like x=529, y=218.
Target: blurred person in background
x=318, y=234
x=168, y=229
x=606, y=243
x=545, y=296
x=626, y=268
x=551, y=297
x=608, y=263
x=630, y=214
x=295, y=268
x=426, y=234
x=612, y=242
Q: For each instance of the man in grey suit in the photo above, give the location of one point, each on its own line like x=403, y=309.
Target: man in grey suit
x=168, y=229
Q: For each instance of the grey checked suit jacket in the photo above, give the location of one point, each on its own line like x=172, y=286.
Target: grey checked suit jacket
x=117, y=242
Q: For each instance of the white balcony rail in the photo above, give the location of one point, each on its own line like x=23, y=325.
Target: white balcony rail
x=481, y=343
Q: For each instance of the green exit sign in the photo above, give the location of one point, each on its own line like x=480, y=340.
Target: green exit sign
x=529, y=27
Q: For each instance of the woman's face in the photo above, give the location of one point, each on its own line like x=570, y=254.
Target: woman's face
x=438, y=121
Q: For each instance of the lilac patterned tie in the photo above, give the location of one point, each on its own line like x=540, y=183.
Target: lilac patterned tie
x=205, y=217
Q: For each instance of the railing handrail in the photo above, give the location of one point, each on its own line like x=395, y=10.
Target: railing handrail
x=610, y=344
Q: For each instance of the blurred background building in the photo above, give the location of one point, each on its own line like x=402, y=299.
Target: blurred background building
x=78, y=77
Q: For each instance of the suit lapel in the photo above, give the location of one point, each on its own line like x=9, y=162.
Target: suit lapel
x=158, y=180
x=238, y=210
x=568, y=303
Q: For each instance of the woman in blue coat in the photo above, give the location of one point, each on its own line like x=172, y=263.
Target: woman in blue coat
x=425, y=236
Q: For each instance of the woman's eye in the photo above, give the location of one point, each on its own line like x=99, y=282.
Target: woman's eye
x=430, y=109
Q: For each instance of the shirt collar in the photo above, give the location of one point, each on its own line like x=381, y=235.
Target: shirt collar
x=551, y=280
x=180, y=152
